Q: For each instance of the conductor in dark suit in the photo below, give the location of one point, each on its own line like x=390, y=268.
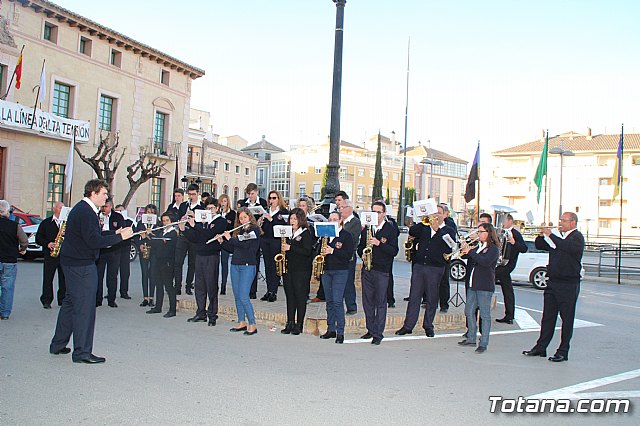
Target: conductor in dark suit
x=109, y=260
x=79, y=253
x=516, y=245
x=561, y=294
x=46, y=237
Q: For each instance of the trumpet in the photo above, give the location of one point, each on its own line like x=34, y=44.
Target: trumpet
x=429, y=220
x=217, y=237
x=474, y=243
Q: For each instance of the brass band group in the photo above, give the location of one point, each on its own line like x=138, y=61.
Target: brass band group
x=295, y=245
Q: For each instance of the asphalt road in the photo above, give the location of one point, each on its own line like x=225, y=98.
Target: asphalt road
x=168, y=371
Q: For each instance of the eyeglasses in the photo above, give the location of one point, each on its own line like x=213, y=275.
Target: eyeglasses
x=483, y=231
x=273, y=198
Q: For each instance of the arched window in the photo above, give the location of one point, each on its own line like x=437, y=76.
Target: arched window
x=236, y=194
x=226, y=190
x=214, y=190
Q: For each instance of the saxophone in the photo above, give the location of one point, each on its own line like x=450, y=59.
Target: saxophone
x=281, y=259
x=367, y=253
x=58, y=241
x=318, y=261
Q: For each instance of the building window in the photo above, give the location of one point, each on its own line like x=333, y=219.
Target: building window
x=226, y=168
x=61, y=100
x=164, y=77
x=85, y=46
x=343, y=173
x=449, y=189
x=156, y=192
x=159, y=127
x=267, y=156
x=50, y=32
x=237, y=169
x=246, y=171
x=55, y=187
x=236, y=195
x=605, y=181
x=302, y=190
x=316, y=191
x=360, y=193
x=361, y=172
x=318, y=170
x=225, y=190
x=605, y=203
x=214, y=190
x=116, y=58
x=106, y=113
x=372, y=173
x=604, y=224
x=260, y=177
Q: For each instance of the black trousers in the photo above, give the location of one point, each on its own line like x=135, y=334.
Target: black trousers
x=145, y=268
x=207, y=268
x=184, y=250
x=503, y=274
x=374, y=300
x=109, y=261
x=390, y=296
x=444, y=289
x=270, y=247
x=254, y=284
x=296, y=288
x=163, y=277
x=77, y=315
x=51, y=265
x=424, y=279
x=560, y=297
x=125, y=269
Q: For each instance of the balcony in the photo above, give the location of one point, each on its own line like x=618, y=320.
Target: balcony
x=201, y=170
x=161, y=148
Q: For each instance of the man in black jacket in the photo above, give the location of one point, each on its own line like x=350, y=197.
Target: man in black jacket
x=561, y=294
x=109, y=260
x=80, y=250
x=444, y=289
x=384, y=248
x=125, y=255
x=185, y=247
x=178, y=209
x=46, y=237
x=512, y=245
x=253, y=200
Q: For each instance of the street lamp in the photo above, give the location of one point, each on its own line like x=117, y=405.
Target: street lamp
x=563, y=153
x=432, y=163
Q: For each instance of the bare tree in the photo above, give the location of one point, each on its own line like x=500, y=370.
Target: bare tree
x=107, y=158
x=140, y=171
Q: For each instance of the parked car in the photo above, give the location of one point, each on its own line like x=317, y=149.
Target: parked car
x=531, y=267
x=26, y=219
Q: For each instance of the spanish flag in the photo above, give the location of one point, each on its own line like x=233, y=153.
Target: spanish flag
x=18, y=71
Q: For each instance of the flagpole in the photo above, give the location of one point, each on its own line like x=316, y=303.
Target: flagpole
x=35, y=104
x=478, y=197
x=621, y=182
x=12, y=76
x=546, y=185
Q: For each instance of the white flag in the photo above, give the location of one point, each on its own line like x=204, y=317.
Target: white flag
x=43, y=84
x=68, y=170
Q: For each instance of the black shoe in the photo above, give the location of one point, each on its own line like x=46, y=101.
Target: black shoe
x=352, y=312
x=535, y=352
x=296, y=330
x=196, y=318
x=154, y=311
x=391, y=305
x=46, y=305
x=328, y=335
x=444, y=310
x=145, y=302
x=340, y=338
x=429, y=332
x=91, y=359
x=403, y=331
x=238, y=329
x=223, y=292
x=376, y=341
x=178, y=291
x=481, y=349
x=113, y=304
x=465, y=335
x=465, y=342
x=151, y=302
x=212, y=323
x=366, y=336
x=287, y=329
x=125, y=296
x=253, y=296
x=189, y=290
x=406, y=299
x=62, y=351
x=265, y=297
x=504, y=320
x=169, y=314
x=250, y=333
x=98, y=304
x=558, y=358
x=272, y=297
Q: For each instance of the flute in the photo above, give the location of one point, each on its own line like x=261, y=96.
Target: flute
x=160, y=227
x=220, y=235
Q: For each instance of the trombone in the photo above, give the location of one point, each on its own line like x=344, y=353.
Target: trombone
x=472, y=243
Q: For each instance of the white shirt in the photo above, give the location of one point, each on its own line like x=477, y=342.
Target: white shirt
x=337, y=233
x=167, y=230
x=57, y=221
x=298, y=232
x=563, y=236
x=351, y=216
x=375, y=229
x=273, y=212
x=93, y=206
x=191, y=206
x=105, y=222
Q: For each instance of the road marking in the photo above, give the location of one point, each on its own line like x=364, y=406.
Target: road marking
x=573, y=391
x=440, y=336
x=524, y=320
x=620, y=304
x=577, y=323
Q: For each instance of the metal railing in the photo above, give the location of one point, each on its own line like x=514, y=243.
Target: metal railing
x=162, y=148
x=627, y=259
x=201, y=170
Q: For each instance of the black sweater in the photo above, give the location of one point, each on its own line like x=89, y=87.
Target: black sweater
x=384, y=253
x=202, y=233
x=430, y=248
x=230, y=217
x=244, y=252
x=163, y=249
x=565, y=261
x=267, y=226
x=342, y=254
x=83, y=237
x=483, y=267
x=300, y=256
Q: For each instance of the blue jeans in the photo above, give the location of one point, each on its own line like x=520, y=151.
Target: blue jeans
x=241, y=280
x=350, y=288
x=224, y=262
x=334, y=283
x=8, y=273
x=482, y=300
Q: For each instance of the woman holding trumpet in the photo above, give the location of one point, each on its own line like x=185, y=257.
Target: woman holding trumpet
x=244, y=244
x=481, y=269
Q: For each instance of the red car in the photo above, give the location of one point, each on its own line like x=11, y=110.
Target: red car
x=26, y=219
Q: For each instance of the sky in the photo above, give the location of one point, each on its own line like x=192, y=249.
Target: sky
x=492, y=71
